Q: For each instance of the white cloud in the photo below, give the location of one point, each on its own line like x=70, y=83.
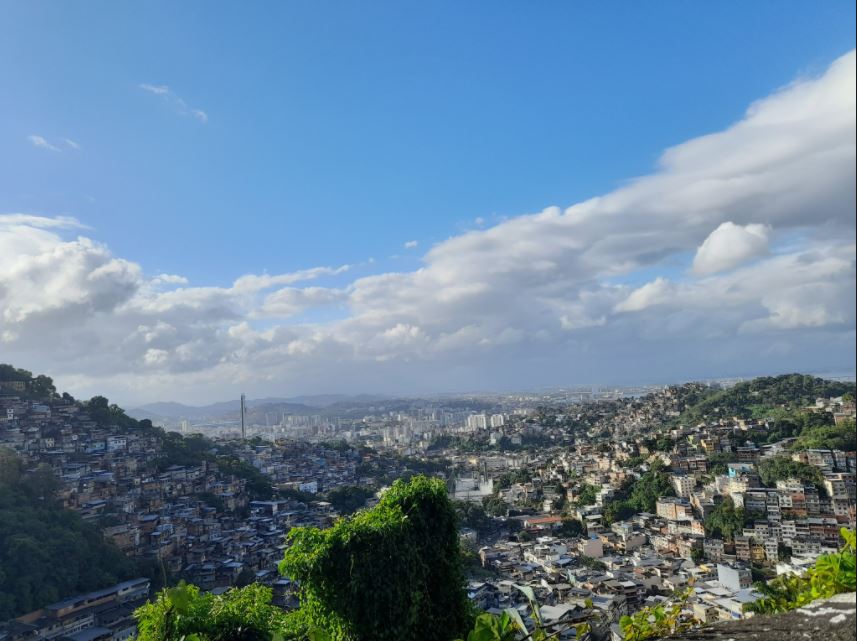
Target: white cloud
x=177, y=103
x=730, y=245
x=158, y=90
x=255, y=282
x=290, y=301
x=169, y=279
x=42, y=143
x=655, y=293
x=535, y=299
x=411, y=244
x=40, y=222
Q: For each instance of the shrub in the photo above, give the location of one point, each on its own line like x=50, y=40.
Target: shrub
x=658, y=621
x=241, y=614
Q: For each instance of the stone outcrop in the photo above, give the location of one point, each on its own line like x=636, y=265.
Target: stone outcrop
x=827, y=619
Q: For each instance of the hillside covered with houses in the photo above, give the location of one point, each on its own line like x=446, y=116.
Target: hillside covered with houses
x=601, y=508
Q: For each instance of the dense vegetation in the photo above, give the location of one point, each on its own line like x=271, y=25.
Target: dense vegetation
x=639, y=495
x=475, y=516
x=507, y=479
x=385, y=469
x=725, y=520
x=47, y=553
x=780, y=468
x=241, y=614
x=37, y=388
x=834, y=437
x=586, y=494
x=570, y=528
x=383, y=573
x=349, y=499
x=761, y=396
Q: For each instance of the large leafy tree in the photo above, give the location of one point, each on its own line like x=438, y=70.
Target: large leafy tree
x=390, y=573
x=725, y=520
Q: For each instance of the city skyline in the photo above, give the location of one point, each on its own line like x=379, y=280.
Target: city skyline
x=651, y=237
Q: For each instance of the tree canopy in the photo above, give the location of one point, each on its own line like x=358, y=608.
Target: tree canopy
x=834, y=437
x=348, y=499
x=240, y=614
x=725, y=520
x=640, y=495
x=586, y=494
x=762, y=394
x=780, y=468
x=383, y=573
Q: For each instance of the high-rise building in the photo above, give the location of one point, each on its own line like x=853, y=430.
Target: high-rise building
x=477, y=422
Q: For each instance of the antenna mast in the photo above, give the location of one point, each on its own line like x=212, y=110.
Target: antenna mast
x=243, y=409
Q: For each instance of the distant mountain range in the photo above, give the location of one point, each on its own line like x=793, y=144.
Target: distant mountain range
x=294, y=405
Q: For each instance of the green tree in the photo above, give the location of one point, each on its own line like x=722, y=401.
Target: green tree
x=495, y=506
x=586, y=494
x=779, y=468
x=639, y=496
x=570, y=528
x=473, y=515
x=349, y=498
x=834, y=437
x=390, y=573
x=42, y=388
x=725, y=520
x=745, y=399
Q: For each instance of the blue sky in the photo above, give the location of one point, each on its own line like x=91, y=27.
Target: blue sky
x=339, y=131
x=211, y=140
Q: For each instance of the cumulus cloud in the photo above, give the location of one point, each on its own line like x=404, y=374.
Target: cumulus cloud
x=169, y=279
x=41, y=278
x=290, y=301
x=730, y=245
x=603, y=290
x=177, y=103
x=411, y=244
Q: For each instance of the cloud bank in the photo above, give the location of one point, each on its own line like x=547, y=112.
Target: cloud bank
x=736, y=254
